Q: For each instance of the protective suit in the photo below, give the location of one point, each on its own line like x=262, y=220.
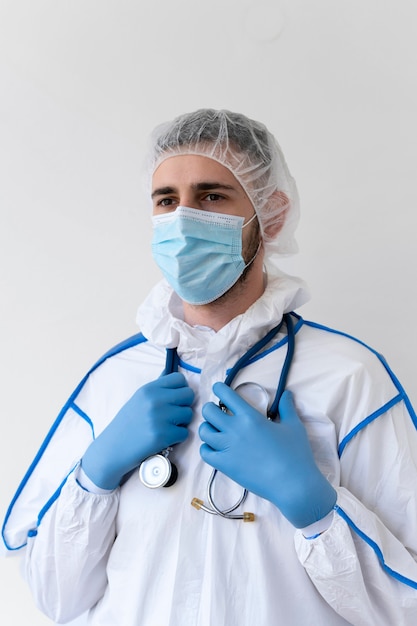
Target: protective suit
x=146, y=556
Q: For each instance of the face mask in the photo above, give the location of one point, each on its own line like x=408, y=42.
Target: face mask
x=199, y=252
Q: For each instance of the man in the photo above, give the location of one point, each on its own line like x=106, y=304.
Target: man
x=311, y=423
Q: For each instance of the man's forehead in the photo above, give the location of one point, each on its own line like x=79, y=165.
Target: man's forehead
x=199, y=171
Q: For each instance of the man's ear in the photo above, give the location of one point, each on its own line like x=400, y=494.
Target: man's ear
x=278, y=204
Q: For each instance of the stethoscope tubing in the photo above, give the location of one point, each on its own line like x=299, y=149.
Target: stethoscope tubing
x=171, y=365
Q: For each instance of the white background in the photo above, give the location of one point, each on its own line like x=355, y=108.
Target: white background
x=82, y=82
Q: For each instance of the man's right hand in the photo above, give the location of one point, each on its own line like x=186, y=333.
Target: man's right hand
x=156, y=417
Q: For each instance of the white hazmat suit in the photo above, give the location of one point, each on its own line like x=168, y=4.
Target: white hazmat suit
x=146, y=556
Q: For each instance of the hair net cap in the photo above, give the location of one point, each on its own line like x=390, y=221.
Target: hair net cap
x=252, y=154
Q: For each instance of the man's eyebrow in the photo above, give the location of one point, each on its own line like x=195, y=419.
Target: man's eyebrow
x=162, y=191
x=207, y=186
x=203, y=186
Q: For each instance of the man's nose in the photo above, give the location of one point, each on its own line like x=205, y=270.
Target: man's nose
x=193, y=199
x=189, y=200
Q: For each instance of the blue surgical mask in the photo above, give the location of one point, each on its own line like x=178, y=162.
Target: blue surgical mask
x=199, y=252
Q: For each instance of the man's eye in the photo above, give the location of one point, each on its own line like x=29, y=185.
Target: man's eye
x=165, y=202
x=213, y=197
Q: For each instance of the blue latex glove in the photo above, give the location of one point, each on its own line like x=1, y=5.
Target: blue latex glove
x=274, y=460
x=155, y=417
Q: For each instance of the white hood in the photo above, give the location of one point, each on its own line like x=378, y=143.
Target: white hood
x=160, y=317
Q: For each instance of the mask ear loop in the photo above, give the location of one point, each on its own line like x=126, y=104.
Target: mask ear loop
x=250, y=220
x=272, y=414
x=255, y=215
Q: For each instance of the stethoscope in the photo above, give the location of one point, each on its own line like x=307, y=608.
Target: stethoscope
x=159, y=471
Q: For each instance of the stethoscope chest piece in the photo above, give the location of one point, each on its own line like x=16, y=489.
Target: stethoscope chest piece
x=158, y=471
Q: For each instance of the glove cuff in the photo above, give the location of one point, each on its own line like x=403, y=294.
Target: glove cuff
x=317, y=528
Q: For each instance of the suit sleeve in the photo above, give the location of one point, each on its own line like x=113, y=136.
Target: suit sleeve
x=365, y=564
x=65, y=560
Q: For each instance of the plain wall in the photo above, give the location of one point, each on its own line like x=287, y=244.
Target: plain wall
x=82, y=83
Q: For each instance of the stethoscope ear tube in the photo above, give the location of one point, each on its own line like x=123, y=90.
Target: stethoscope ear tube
x=272, y=413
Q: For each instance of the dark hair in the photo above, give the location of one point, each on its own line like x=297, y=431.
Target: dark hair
x=212, y=126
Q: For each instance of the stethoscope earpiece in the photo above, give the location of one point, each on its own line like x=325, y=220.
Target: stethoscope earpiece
x=158, y=471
